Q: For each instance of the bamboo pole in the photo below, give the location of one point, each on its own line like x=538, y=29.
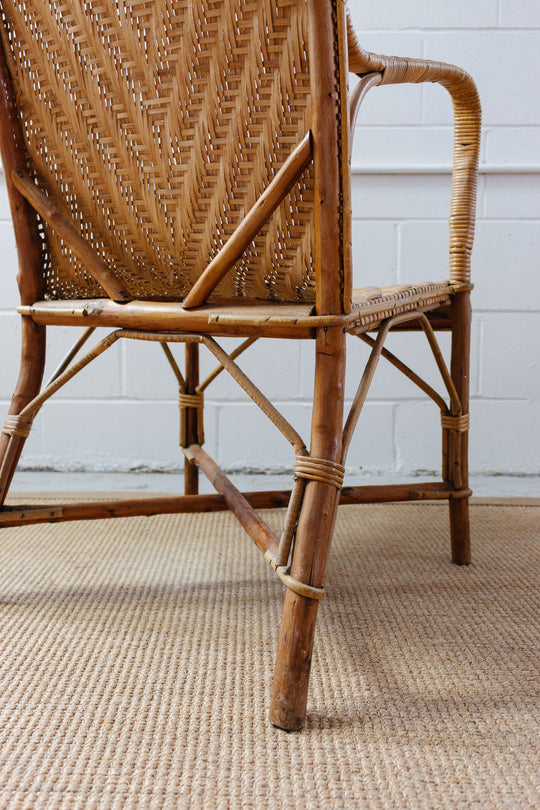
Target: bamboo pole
x=257, y=529
x=399, y=493
x=26, y=514
x=97, y=268
x=357, y=96
x=174, y=365
x=326, y=21
x=281, y=321
x=25, y=221
x=31, y=369
x=313, y=536
x=455, y=405
x=257, y=320
x=29, y=277
x=457, y=443
x=363, y=388
x=256, y=395
x=191, y=417
x=33, y=407
x=233, y=355
x=73, y=352
x=407, y=372
x=259, y=214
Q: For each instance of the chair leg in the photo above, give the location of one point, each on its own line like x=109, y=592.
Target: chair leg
x=192, y=416
x=27, y=387
x=313, y=537
x=295, y=646
x=460, y=531
x=458, y=472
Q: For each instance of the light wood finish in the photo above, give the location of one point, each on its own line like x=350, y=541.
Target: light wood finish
x=23, y=515
x=179, y=172
x=369, y=307
x=50, y=214
x=179, y=148
x=217, y=371
x=270, y=320
x=252, y=523
x=29, y=278
x=71, y=355
x=285, y=428
x=409, y=373
x=313, y=536
x=456, y=466
x=192, y=417
x=363, y=388
x=32, y=366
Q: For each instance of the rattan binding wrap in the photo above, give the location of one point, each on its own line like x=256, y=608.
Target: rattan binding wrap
x=191, y=401
x=17, y=426
x=457, y=424
x=177, y=152
x=319, y=469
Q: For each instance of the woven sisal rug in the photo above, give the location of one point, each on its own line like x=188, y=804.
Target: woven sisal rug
x=136, y=658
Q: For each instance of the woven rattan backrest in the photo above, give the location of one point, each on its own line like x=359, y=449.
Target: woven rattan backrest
x=154, y=125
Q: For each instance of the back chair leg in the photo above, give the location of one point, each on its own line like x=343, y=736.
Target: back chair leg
x=192, y=417
x=313, y=538
x=458, y=443
x=13, y=435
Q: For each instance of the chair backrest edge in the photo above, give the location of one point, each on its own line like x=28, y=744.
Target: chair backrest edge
x=328, y=40
x=25, y=222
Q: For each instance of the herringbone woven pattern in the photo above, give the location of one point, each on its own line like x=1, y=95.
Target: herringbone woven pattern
x=155, y=126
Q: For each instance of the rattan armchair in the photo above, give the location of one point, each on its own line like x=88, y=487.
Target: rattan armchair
x=179, y=171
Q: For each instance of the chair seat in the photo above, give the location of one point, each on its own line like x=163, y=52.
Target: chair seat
x=371, y=305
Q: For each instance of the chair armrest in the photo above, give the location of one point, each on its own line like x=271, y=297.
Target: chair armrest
x=467, y=121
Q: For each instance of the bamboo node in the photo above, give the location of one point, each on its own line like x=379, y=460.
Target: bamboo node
x=320, y=469
x=457, y=424
x=17, y=426
x=299, y=587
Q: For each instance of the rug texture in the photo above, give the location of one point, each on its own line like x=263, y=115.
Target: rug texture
x=136, y=658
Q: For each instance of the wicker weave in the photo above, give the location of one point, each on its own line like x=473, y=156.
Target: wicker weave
x=153, y=153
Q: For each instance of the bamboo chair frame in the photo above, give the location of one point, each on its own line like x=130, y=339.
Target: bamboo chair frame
x=197, y=319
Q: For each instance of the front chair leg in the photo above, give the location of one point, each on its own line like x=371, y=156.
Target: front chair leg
x=313, y=536
x=459, y=443
x=295, y=646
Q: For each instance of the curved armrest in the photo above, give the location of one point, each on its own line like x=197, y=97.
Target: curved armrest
x=467, y=120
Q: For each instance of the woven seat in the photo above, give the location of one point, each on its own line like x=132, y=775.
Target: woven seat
x=374, y=304
x=178, y=171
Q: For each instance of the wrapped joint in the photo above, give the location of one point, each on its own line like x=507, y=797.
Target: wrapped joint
x=191, y=401
x=299, y=587
x=320, y=469
x=457, y=424
x=17, y=426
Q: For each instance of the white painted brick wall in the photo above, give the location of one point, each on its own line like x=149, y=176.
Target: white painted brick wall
x=121, y=413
